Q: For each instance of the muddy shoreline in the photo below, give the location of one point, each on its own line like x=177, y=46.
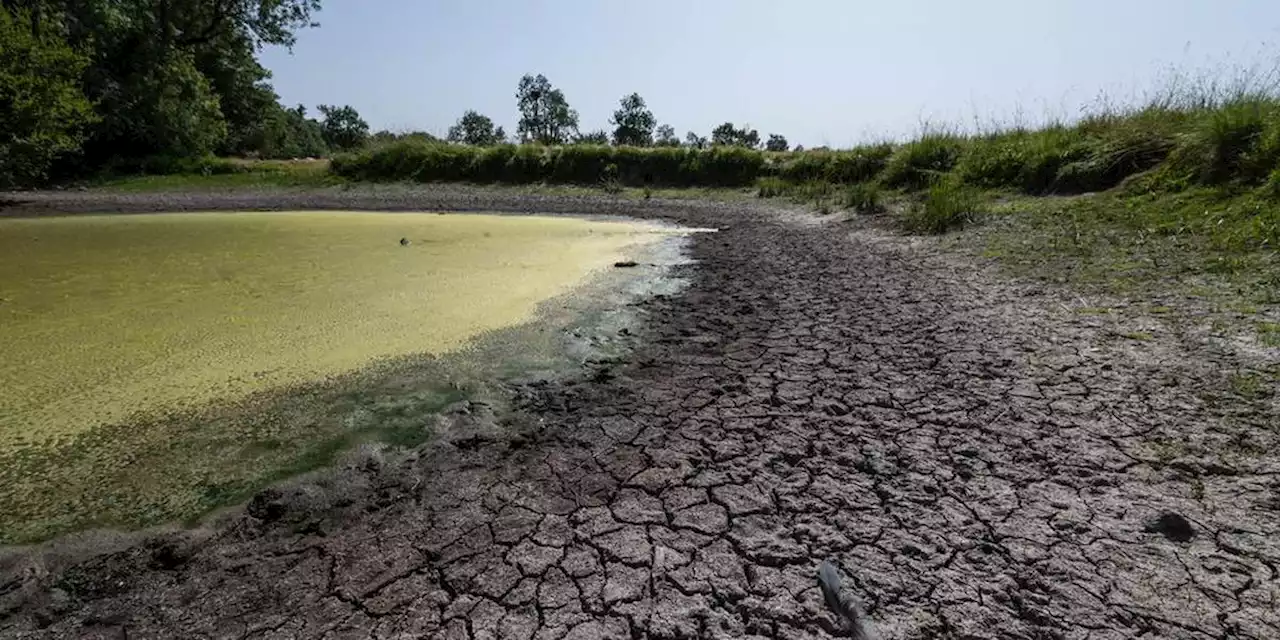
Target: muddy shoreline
x=981, y=465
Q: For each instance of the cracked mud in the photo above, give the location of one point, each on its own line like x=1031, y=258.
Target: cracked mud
x=980, y=466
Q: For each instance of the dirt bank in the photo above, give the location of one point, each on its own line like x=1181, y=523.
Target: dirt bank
x=983, y=464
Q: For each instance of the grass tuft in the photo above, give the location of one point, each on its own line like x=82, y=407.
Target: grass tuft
x=947, y=205
x=865, y=197
x=917, y=164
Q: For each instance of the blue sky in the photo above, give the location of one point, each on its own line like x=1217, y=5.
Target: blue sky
x=832, y=72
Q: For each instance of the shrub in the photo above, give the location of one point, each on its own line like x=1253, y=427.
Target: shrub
x=526, y=164
x=609, y=180
x=864, y=198
x=918, y=164
x=813, y=191
x=576, y=164
x=1236, y=141
x=806, y=166
x=947, y=205
x=860, y=164
x=846, y=167
x=1122, y=146
x=579, y=164
x=1272, y=187
x=771, y=187
x=491, y=164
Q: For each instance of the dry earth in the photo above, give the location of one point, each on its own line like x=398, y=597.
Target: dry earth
x=981, y=462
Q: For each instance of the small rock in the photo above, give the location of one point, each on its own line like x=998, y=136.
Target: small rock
x=625, y=264
x=404, y=242
x=1172, y=526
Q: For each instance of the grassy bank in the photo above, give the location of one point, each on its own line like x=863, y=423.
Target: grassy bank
x=224, y=173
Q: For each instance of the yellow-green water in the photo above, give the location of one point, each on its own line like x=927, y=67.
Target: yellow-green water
x=106, y=319
x=107, y=315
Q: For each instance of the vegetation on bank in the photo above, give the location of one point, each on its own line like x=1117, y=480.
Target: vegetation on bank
x=93, y=87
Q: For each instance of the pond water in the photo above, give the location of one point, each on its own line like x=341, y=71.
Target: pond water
x=108, y=319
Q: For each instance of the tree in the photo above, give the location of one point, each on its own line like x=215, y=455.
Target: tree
x=776, y=143
x=475, y=129
x=43, y=111
x=248, y=103
x=293, y=135
x=592, y=137
x=696, y=141
x=545, y=116
x=633, y=123
x=665, y=136
x=185, y=23
x=342, y=127
x=166, y=78
x=385, y=136
x=728, y=135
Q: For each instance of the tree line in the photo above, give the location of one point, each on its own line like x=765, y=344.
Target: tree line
x=123, y=85
x=546, y=118
x=92, y=86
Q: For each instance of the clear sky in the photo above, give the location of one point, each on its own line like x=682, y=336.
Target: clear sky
x=832, y=72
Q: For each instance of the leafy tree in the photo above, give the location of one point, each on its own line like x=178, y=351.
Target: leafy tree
x=696, y=141
x=289, y=133
x=592, y=137
x=43, y=111
x=385, y=136
x=167, y=111
x=728, y=135
x=633, y=122
x=665, y=136
x=545, y=116
x=342, y=127
x=776, y=143
x=169, y=78
x=185, y=23
x=248, y=103
x=475, y=129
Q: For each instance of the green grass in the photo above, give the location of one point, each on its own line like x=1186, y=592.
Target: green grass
x=947, y=205
x=1250, y=385
x=1268, y=333
x=921, y=162
x=865, y=197
x=231, y=174
x=1126, y=242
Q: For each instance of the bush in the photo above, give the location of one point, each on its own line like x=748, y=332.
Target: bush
x=1272, y=187
x=947, y=205
x=1237, y=141
x=864, y=198
x=1122, y=146
x=771, y=187
x=576, y=164
x=861, y=164
x=845, y=167
x=918, y=164
x=579, y=164
x=1029, y=161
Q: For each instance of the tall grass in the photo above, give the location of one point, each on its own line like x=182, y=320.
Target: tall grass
x=947, y=205
x=919, y=163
